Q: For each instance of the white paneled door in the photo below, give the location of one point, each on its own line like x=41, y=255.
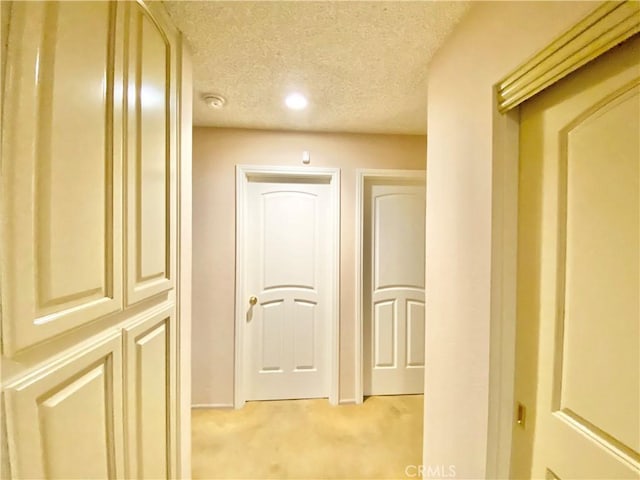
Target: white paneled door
x=393, y=286
x=578, y=326
x=88, y=203
x=288, y=310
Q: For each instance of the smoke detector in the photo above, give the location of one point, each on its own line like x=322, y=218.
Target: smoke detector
x=213, y=100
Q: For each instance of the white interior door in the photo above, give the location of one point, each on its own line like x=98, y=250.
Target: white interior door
x=578, y=327
x=394, y=294
x=288, y=254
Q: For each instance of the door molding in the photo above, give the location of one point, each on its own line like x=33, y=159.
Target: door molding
x=362, y=176
x=243, y=174
x=608, y=25
x=184, y=264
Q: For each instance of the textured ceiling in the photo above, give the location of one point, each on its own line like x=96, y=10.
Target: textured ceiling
x=362, y=64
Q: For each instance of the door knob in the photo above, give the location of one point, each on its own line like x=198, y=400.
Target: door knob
x=253, y=300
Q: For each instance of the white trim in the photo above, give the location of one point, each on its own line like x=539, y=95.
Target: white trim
x=203, y=406
x=184, y=263
x=504, y=243
x=243, y=173
x=607, y=26
x=362, y=175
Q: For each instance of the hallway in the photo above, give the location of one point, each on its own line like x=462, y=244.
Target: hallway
x=307, y=439
x=208, y=202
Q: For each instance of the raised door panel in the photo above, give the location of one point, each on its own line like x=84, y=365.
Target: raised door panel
x=398, y=236
x=150, y=157
x=65, y=421
x=385, y=334
x=289, y=240
x=415, y=334
x=602, y=290
x=305, y=332
x=271, y=341
x=62, y=191
x=151, y=400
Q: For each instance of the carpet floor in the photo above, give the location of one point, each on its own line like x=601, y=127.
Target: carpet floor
x=309, y=439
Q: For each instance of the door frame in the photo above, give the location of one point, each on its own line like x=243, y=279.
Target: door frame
x=364, y=175
x=184, y=264
x=608, y=25
x=243, y=175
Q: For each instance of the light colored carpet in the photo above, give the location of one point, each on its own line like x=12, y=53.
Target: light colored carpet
x=309, y=439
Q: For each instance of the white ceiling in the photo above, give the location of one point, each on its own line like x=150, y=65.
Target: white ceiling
x=362, y=64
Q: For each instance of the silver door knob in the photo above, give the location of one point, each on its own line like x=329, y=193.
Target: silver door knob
x=253, y=300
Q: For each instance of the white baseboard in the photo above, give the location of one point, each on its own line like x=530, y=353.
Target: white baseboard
x=343, y=401
x=212, y=405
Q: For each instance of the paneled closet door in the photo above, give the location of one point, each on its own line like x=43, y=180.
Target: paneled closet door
x=66, y=419
x=150, y=221
x=150, y=352
x=61, y=169
x=151, y=153
x=88, y=228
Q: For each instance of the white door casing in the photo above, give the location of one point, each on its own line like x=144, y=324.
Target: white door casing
x=390, y=282
x=287, y=247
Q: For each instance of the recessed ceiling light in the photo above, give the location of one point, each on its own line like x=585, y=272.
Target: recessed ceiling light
x=296, y=101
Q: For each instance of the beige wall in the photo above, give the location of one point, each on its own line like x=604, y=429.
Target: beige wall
x=215, y=154
x=468, y=148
